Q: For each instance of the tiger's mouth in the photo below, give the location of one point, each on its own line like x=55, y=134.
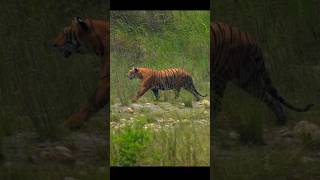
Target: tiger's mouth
x=130, y=77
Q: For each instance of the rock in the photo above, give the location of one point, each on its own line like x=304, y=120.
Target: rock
x=62, y=149
x=307, y=160
x=57, y=153
x=8, y=164
x=145, y=107
x=305, y=129
x=205, y=103
x=286, y=133
x=170, y=120
x=122, y=120
x=130, y=110
x=136, y=106
x=234, y=135
x=70, y=178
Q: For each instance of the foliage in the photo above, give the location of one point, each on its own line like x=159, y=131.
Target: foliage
x=132, y=141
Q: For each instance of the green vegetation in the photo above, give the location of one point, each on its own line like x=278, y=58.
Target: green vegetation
x=289, y=35
x=159, y=40
x=132, y=141
x=36, y=172
x=172, y=138
x=38, y=87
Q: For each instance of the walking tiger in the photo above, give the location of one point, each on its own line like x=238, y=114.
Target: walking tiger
x=237, y=58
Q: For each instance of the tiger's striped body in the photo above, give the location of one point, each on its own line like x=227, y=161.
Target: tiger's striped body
x=236, y=57
x=169, y=79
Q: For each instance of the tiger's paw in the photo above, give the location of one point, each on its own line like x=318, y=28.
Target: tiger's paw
x=134, y=100
x=74, y=121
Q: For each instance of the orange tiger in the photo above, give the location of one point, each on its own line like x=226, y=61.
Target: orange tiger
x=236, y=57
x=173, y=78
x=93, y=36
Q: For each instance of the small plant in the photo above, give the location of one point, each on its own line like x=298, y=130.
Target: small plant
x=114, y=117
x=249, y=126
x=132, y=141
x=150, y=118
x=187, y=102
x=250, y=130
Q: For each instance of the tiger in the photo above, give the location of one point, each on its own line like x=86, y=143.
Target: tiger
x=85, y=36
x=168, y=79
x=236, y=57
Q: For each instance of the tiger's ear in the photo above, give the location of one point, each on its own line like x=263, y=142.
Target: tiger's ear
x=82, y=23
x=135, y=69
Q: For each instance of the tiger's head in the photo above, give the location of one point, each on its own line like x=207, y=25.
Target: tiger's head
x=75, y=38
x=134, y=73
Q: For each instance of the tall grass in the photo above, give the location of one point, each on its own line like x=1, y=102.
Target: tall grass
x=38, y=86
x=159, y=40
x=288, y=34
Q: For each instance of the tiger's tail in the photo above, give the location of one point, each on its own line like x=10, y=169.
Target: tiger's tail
x=199, y=93
x=195, y=90
x=274, y=93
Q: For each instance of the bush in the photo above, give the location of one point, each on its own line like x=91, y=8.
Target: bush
x=132, y=141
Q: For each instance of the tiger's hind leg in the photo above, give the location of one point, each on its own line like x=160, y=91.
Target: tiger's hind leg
x=190, y=87
x=257, y=88
x=156, y=93
x=191, y=90
x=218, y=88
x=177, y=93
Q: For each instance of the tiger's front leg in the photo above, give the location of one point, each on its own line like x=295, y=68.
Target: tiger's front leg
x=156, y=93
x=143, y=89
x=218, y=89
x=97, y=101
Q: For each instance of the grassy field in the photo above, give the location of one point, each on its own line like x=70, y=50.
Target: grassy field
x=169, y=132
x=39, y=89
x=247, y=142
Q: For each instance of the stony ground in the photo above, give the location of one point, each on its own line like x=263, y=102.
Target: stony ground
x=161, y=114
x=287, y=152
x=84, y=150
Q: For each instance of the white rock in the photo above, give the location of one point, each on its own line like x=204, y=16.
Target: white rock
x=234, y=135
x=130, y=110
x=70, y=178
x=205, y=103
x=307, y=129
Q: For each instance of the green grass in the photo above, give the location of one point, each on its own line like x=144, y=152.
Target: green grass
x=36, y=172
x=170, y=139
x=39, y=88
x=131, y=143
x=160, y=40
x=181, y=41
